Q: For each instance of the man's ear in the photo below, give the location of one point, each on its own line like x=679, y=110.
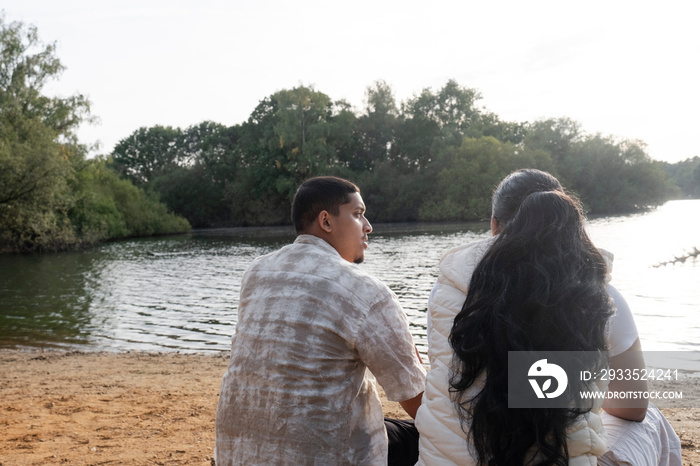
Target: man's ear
x=324, y=221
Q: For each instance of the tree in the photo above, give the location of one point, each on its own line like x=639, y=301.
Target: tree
x=556, y=136
x=195, y=188
x=147, y=153
x=695, y=182
x=504, y=131
x=37, y=142
x=252, y=195
x=686, y=175
x=466, y=176
x=609, y=175
x=436, y=158
x=343, y=139
x=106, y=206
x=431, y=122
x=302, y=128
x=453, y=106
x=50, y=197
x=209, y=143
x=292, y=135
x=614, y=176
x=377, y=127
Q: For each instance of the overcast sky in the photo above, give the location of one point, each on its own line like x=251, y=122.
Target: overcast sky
x=628, y=69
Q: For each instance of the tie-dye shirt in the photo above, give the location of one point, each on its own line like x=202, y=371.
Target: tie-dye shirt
x=298, y=389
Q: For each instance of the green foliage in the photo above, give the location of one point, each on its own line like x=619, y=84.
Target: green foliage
x=50, y=197
x=613, y=177
x=686, y=175
x=107, y=207
x=376, y=128
x=392, y=196
x=196, y=187
x=94, y=212
x=36, y=143
x=556, y=136
x=469, y=173
x=33, y=182
x=291, y=135
x=258, y=194
x=431, y=122
x=436, y=157
x=609, y=176
x=147, y=153
x=142, y=213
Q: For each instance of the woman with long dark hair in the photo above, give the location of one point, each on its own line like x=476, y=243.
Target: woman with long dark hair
x=539, y=284
x=541, y=287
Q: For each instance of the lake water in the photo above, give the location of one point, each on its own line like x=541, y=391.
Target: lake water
x=180, y=293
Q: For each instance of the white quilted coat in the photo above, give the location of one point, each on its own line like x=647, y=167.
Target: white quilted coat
x=442, y=441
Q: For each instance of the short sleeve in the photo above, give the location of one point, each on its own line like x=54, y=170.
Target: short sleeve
x=622, y=331
x=386, y=346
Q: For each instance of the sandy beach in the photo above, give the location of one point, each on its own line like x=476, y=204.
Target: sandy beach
x=86, y=408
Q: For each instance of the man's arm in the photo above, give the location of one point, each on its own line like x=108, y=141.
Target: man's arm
x=411, y=406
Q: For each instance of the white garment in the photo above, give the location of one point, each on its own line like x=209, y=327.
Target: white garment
x=297, y=389
x=621, y=332
x=650, y=442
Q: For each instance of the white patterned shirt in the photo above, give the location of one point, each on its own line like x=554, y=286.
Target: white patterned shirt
x=298, y=389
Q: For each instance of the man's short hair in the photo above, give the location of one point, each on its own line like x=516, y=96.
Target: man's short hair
x=318, y=194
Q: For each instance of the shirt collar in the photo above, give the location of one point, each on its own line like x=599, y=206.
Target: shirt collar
x=316, y=241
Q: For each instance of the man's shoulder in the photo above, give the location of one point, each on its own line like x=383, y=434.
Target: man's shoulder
x=265, y=259
x=308, y=259
x=292, y=251
x=355, y=279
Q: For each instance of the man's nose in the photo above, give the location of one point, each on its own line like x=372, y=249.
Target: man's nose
x=368, y=226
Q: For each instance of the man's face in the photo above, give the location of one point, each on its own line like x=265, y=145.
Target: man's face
x=350, y=230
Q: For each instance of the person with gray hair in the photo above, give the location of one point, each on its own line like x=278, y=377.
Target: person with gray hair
x=537, y=284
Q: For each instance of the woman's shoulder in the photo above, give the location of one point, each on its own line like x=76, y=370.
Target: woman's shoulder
x=458, y=264
x=470, y=253
x=468, y=249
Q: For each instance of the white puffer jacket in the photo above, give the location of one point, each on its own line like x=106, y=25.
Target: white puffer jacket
x=442, y=441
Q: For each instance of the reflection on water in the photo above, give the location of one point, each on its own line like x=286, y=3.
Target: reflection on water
x=664, y=300
x=176, y=293
x=181, y=293
x=43, y=299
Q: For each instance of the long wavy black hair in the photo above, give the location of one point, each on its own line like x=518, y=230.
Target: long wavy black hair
x=539, y=287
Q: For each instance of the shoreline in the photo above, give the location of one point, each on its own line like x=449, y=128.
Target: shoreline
x=142, y=408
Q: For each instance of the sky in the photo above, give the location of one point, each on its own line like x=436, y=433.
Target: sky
x=624, y=69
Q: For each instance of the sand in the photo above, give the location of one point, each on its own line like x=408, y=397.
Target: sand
x=93, y=408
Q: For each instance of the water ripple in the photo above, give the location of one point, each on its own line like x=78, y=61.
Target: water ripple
x=181, y=293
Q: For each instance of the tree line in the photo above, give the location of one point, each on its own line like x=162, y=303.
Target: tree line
x=433, y=157
x=686, y=176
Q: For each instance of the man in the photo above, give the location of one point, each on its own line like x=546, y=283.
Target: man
x=310, y=324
